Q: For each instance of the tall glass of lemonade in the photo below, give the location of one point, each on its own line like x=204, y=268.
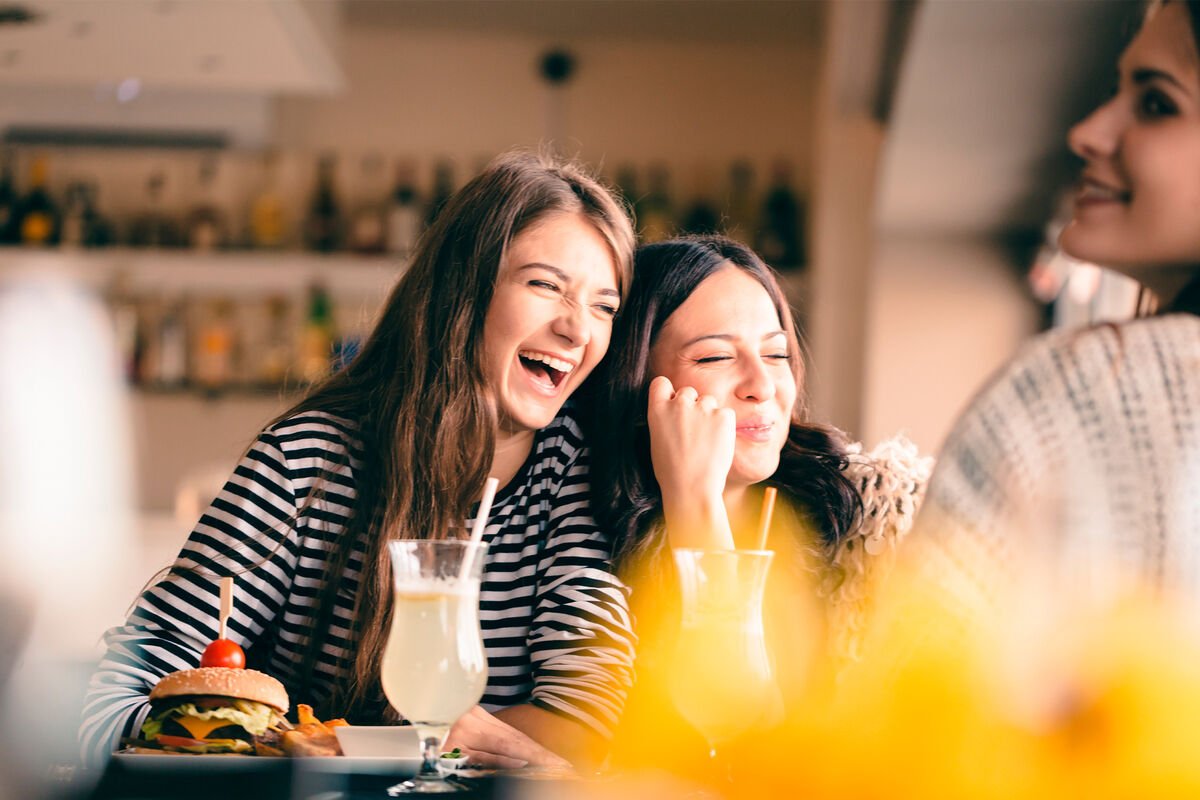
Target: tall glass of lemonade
x=722, y=681
x=434, y=668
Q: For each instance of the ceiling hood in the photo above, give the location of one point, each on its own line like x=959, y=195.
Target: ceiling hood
x=254, y=46
x=141, y=73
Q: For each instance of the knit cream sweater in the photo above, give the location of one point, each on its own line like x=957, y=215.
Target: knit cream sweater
x=1080, y=462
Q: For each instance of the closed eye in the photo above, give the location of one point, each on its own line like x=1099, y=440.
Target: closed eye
x=606, y=309
x=713, y=359
x=779, y=356
x=540, y=284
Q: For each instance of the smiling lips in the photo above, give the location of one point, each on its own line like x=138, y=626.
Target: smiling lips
x=547, y=372
x=1093, y=192
x=756, y=429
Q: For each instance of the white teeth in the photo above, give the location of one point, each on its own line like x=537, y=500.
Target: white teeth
x=549, y=361
x=1091, y=191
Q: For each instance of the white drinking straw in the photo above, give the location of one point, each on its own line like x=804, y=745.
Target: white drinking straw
x=485, y=508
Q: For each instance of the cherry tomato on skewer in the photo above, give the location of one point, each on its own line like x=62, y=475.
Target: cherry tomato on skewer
x=224, y=653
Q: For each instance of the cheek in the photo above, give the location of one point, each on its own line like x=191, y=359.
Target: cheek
x=1163, y=171
x=600, y=340
x=785, y=394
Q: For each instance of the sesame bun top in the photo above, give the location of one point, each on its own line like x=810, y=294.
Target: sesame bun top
x=242, y=684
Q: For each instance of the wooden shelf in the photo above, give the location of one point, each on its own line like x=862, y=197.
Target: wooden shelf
x=221, y=272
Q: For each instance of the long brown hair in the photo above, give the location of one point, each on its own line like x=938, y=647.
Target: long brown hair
x=416, y=393
x=626, y=496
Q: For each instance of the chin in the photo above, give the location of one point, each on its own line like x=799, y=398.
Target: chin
x=1092, y=247
x=531, y=421
x=752, y=474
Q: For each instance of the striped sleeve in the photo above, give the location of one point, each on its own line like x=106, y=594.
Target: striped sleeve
x=246, y=532
x=581, y=640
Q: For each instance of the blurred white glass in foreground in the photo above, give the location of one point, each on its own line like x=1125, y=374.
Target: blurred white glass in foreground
x=434, y=669
x=66, y=499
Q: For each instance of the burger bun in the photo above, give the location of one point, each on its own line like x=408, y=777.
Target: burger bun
x=241, y=684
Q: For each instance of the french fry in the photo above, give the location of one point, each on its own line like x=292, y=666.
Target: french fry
x=305, y=714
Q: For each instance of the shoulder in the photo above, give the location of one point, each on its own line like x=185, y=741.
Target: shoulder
x=562, y=441
x=1059, y=354
x=891, y=480
x=314, y=435
x=313, y=424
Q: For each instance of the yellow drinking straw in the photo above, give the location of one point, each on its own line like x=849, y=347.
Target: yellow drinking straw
x=768, y=509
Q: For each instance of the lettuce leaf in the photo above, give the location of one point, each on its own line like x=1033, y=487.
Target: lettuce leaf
x=254, y=717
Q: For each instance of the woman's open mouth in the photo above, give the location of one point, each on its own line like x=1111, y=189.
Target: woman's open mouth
x=1092, y=193
x=544, y=370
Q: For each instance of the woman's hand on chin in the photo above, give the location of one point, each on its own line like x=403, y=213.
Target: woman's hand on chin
x=489, y=742
x=691, y=446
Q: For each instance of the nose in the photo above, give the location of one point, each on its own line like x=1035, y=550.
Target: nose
x=1097, y=135
x=755, y=384
x=571, y=323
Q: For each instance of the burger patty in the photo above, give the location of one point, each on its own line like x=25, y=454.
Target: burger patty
x=171, y=727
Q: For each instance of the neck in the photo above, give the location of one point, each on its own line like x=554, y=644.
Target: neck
x=511, y=451
x=1167, y=283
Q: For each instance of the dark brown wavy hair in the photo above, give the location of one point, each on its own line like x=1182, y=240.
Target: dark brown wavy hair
x=626, y=496
x=1188, y=299
x=416, y=393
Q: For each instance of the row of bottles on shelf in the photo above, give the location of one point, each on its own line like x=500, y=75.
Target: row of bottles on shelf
x=387, y=222
x=217, y=344
x=259, y=207
x=772, y=222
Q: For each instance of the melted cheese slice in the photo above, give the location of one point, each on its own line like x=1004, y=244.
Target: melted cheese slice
x=200, y=728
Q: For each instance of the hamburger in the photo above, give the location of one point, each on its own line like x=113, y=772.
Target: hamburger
x=214, y=710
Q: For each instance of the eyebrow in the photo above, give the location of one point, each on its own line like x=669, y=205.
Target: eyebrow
x=564, y=277
x=1144, y=75
x=729, y=337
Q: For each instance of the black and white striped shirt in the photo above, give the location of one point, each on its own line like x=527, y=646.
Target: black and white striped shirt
x=555, y=620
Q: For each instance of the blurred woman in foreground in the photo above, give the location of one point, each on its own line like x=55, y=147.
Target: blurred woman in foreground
x=1084, y=451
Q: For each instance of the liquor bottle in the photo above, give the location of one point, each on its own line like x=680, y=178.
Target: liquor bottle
x=99, y=231
x=626, y=179
x=216, y=345
x=367, y=223
x=655, y=216
x=404, y=219
x=780, y=241
x=153, y=227
x=171, y=347
x=443, y=188
x=322, y=228
x=37, y=214
x=701, y=217
x=8, y=201
x=205, y=223
x=127, y=324
x=741, y=215
x=316, y=340
x=82, y=223
x=268, y=220
x=76, y=211
x=276, y=358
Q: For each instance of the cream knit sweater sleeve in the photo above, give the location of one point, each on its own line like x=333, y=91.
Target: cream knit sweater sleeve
x=891, y=480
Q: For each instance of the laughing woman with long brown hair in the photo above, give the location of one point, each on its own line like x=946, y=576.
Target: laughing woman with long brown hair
x=507, y=307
